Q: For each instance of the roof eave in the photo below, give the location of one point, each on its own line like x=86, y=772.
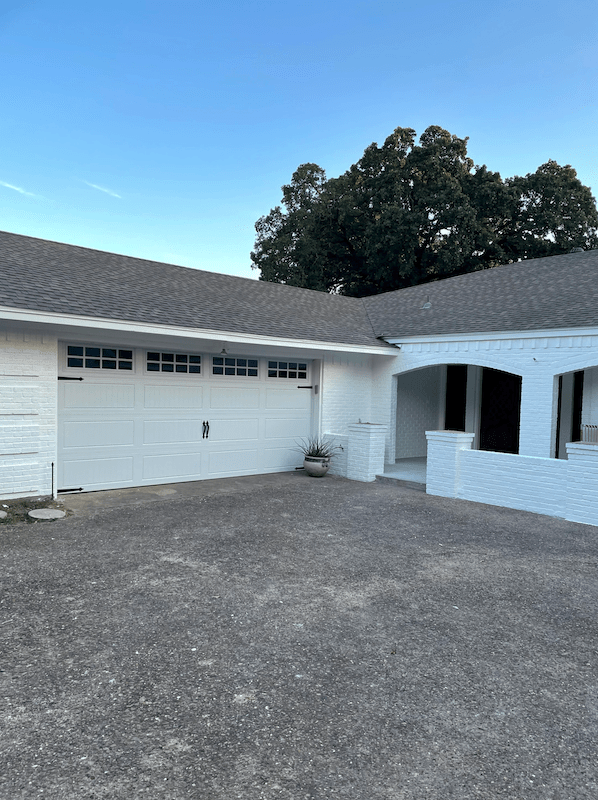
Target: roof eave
x=47, y=318
x=542, y=333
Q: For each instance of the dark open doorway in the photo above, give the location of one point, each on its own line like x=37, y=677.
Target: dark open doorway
x=499, y=418
x=456, y=396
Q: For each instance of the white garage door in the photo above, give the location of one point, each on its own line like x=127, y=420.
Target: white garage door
x=136, y=422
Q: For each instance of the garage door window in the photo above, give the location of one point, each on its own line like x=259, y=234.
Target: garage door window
x=296, y=370
x=242, y=367
x=181, y=363
x=99, y=357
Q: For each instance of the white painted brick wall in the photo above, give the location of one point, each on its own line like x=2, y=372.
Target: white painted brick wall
x=18, y=437
x=537, y=359
x=533, y=480
x=346, y=392
x=556, y=487
x=346, y=398
x=338, y=464
x=366, y=452
x=28, y=375
x=443, y=465
x=527, y=483
x=582, y=483
x=418, y=410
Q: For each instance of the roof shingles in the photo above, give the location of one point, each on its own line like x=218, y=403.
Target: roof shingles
x=540, y=294
x=48, y=276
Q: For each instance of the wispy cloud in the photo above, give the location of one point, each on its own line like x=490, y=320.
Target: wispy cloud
x=17, y=189
x=102, y=189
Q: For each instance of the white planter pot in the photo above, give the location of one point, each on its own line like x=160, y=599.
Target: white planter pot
x=316, y=467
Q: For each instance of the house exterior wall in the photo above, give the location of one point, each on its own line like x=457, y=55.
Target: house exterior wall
x=418, y=410
x=354, y=387
x=346, y=398
x=28, y=380
x=533, y=480
x=538, y=359
x=346, y=391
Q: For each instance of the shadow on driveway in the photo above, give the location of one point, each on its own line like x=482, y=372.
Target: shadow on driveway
x=286, y=637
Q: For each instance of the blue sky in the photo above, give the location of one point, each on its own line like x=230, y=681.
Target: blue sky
x=165, y=129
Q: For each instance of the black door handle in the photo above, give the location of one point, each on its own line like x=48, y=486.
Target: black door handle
x=207, y=430
x=203, y=430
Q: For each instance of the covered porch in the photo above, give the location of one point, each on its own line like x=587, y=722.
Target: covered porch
x=477, y=433
x=407, y=471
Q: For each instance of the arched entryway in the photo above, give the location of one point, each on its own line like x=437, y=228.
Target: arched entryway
x=461, y=397
x=577, y=409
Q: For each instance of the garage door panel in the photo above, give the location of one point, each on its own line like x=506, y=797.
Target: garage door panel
x=234, y=430
x=98, y=395
x=281, y=458
x=233, y=397
x=174, y=465
x=172, y=431
x=97, y=472
x=108, y=433
x=285, y=428
x=288, y=398
x=238, y=461
x=173, y=397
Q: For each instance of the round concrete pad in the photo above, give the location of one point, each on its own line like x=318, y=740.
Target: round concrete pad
x=3, y=514
x=47, y=513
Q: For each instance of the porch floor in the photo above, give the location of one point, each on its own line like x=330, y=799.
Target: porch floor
x=410, y=470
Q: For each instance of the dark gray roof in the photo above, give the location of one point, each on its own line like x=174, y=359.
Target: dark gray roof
x=41, y=275
x=542, y=293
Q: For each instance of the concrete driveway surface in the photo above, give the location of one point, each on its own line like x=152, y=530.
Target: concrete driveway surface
x=294, y=638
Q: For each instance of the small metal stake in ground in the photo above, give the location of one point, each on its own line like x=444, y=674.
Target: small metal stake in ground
x=47, y=513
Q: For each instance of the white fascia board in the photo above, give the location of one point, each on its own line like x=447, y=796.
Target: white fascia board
x=548, y=333
x=124, y=326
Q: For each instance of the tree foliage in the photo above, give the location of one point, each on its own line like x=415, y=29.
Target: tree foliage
x=409, y=212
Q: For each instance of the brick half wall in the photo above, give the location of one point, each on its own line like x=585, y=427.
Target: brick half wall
x=556, y=487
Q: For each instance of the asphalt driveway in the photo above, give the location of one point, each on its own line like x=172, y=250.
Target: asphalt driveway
x=287, y=637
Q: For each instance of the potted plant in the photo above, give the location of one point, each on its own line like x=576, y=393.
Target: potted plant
x=317, y=453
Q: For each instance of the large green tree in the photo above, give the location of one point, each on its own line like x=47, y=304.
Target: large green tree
x=410, y=212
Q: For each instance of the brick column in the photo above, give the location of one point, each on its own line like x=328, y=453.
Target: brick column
x=442, y=469
x=582, y=483
x=366, y=451
x=538, y=406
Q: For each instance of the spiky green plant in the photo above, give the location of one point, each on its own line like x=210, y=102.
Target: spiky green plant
x=316, y=447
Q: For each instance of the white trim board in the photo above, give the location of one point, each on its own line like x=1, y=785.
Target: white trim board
x=225, y=337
